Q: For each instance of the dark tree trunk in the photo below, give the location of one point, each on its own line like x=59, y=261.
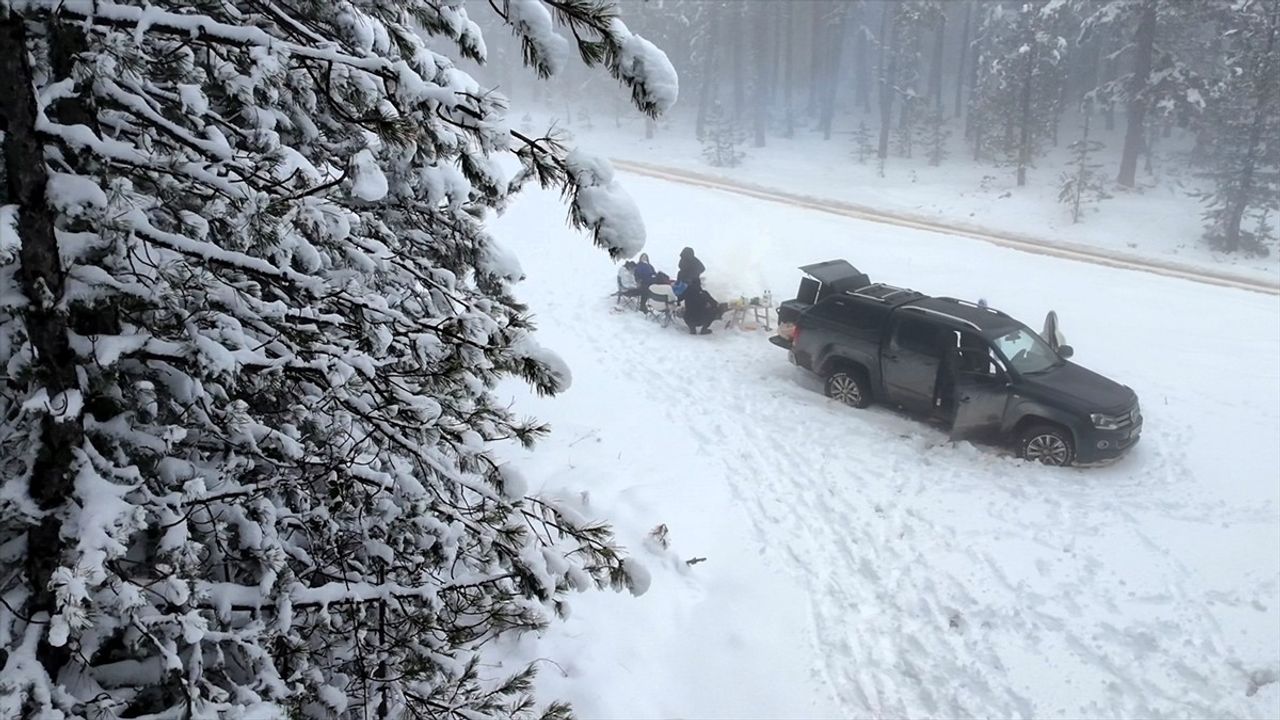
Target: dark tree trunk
x=739, y=63
x=1107, y=48
x=775, y=52
x=935, y=68
x=1144, y=42
x=969, y=129
x=832, y=76
x=1024, y=140
x=763, y=68
x=710, y=78
x=789, y=52
x=888, y=73
x=42, y=279
x=818, y=10
x=964, y=52
x=862, y=73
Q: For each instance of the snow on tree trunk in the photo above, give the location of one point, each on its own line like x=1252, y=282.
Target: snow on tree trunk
x=250, y=327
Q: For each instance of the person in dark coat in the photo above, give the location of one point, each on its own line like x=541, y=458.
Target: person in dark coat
x=691, y=269
x=700, y=309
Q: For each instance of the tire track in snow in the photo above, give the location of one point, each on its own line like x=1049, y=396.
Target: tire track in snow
x=945, y=580
x=1068, y=251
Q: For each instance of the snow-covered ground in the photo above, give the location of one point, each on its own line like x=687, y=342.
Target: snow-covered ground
x=857, y=563
x=1159, y=220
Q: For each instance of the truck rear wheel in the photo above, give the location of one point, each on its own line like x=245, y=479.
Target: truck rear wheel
x=849, y=387
x=1047, y=445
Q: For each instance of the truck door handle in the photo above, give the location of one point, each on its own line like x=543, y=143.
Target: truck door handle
x=890, y=357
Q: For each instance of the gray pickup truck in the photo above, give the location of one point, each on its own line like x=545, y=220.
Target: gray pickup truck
x=972, y=368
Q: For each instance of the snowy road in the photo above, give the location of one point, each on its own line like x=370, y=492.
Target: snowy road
x=1025, y=243
x=858, y=564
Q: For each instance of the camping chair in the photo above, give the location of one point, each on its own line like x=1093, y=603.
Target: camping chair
x=628, y=298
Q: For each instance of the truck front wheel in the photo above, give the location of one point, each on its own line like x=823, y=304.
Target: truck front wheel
x=848, y=387
x=1047, y=445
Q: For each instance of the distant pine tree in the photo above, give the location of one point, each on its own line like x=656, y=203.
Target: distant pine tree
x=1081, y=185
x=906, y=131
x=1244, y=137
x=863, y=143
x=935, y=134
x=721, y=138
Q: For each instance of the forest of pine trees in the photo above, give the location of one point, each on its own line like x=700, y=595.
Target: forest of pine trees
x=1008, y=78
x=251, y=321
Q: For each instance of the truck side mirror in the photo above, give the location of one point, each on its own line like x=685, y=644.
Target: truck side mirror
x=1065, y=352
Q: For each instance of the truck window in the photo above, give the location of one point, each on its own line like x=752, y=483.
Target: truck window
x=917, y=336
x=808, y=291
x=977, y=357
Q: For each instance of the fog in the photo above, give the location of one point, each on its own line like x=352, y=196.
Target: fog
x=1091, y=97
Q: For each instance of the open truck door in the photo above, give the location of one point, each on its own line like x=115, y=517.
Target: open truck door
x=982, y=390
x=1052, y=334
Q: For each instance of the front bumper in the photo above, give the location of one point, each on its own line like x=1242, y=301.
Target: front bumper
x=1095, y=447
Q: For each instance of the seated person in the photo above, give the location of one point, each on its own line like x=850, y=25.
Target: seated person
x=644, y=272
x=627, y=285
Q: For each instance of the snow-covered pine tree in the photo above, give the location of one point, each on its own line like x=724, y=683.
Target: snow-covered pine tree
x=1244, y=130
x=904, y=134
x=1081, y=185
x=249, y=317
x=994, y=92
x=1019, y=81
x=862, y=145
x=721, y=137
x=911, y=20
x=934, y=136
x=1156, y=74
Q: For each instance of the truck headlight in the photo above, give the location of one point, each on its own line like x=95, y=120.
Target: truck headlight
x=1105, y=422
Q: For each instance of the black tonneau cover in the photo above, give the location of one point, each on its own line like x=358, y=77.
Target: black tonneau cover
x=837, y=276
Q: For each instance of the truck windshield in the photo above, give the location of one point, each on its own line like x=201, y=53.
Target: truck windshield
x=1026, y=352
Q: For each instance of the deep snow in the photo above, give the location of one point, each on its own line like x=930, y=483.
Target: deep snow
x=857, y=563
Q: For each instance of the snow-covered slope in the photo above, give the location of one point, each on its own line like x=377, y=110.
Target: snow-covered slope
x=857, y=563
x=1161, y=221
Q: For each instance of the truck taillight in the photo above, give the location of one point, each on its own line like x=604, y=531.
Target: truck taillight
x=788, y=331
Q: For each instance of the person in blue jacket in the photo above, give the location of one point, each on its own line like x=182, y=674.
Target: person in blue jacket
x=644, y=272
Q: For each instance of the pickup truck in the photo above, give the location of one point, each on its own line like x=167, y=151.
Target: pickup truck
x=972, y=368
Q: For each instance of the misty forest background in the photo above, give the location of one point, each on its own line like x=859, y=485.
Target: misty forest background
x=1180, y=91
